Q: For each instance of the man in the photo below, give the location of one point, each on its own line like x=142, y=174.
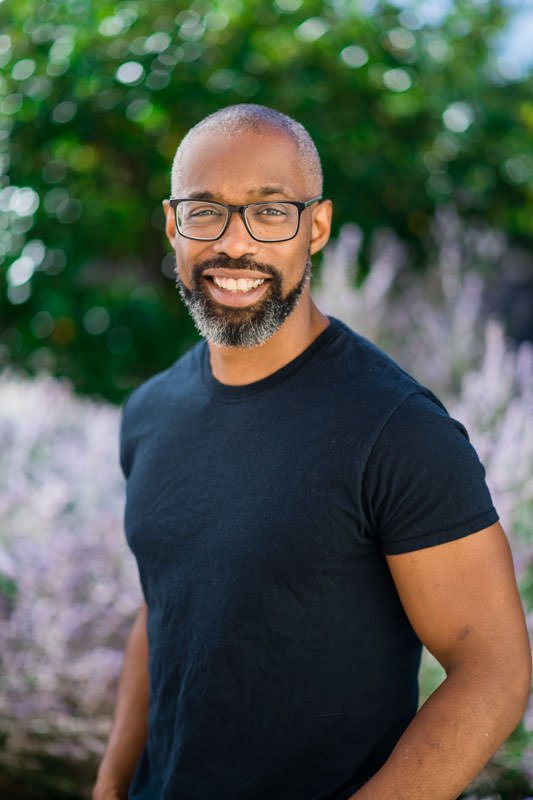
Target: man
x=303, y=514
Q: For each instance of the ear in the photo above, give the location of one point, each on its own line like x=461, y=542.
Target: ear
x=320, y=226
x=170, y=224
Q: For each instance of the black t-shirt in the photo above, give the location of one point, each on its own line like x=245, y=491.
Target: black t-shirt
x=282, y=665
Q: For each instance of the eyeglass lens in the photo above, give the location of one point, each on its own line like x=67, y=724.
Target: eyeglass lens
x=266, y=221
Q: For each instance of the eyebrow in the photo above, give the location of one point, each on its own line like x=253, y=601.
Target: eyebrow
x=265, y=191
x=258, y=191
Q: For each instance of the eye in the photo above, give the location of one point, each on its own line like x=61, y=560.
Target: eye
x=203, y=211
x=270, y=211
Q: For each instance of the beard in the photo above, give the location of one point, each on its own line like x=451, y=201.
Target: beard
x=240, y=327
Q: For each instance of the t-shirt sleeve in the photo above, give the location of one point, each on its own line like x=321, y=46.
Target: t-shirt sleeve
x=125, y=438
x=424, y=483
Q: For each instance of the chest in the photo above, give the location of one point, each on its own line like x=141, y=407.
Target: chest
x=244, y=492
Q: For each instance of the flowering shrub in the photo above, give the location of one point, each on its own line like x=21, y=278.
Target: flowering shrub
x=68, y=586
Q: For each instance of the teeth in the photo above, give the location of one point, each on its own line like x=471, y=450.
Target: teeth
x=240, y=285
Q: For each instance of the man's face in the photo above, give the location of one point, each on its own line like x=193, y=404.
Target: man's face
x=240, y=291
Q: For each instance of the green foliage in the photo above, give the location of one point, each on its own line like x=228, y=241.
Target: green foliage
x=96, y=97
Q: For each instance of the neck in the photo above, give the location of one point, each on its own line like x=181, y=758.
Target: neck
x=237, y=366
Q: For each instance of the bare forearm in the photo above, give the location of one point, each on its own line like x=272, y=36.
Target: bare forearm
x=450, y=740
x=128, y=734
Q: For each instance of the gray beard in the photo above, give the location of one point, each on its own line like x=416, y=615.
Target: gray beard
x=240, y=327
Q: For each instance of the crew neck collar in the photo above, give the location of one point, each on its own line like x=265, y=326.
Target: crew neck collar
x=229, y=392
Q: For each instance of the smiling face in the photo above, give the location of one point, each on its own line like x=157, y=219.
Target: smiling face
x=240, y=291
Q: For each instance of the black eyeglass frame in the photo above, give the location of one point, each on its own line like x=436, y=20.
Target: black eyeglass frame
x=300, y=205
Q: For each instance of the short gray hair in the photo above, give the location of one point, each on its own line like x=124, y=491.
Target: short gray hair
x=251, y=117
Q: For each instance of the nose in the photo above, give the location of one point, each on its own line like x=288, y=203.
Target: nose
x=236, y=242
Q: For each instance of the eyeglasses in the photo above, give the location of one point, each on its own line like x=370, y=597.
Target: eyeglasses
x=205, y=221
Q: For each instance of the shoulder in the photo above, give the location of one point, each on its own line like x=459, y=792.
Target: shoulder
x=154, y=403
x=147, y=408
x=165, y=387
x=424, y=482
x=363, y=372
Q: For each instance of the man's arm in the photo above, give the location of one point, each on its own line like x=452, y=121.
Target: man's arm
x=130, y=724
x=461, y=599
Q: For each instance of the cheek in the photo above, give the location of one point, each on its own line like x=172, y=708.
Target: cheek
x=184, y=259
x=181, y=269
x=298, y=258
x=189, y=253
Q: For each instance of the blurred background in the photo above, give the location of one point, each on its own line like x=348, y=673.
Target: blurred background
x=423, y=114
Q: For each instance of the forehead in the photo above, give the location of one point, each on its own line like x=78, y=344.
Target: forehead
x=237, y=166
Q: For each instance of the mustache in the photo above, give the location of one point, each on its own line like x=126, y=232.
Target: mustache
x=234, y=263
